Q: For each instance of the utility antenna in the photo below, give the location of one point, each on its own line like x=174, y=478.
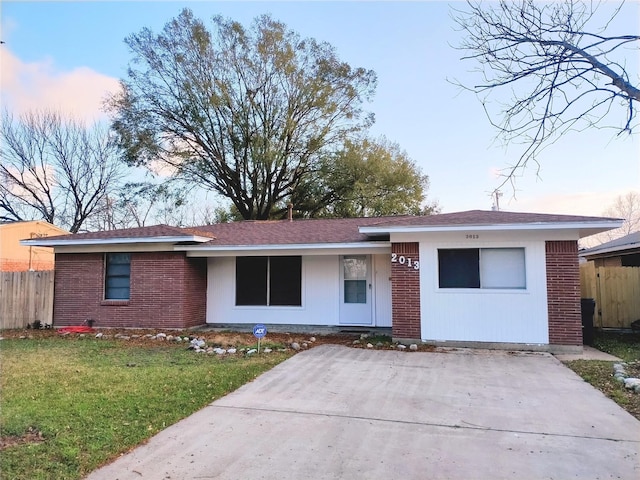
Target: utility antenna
x=495, y=195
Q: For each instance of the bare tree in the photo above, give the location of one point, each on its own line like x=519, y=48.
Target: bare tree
x=55, y=169
x=562, y=70
x=628, y=207
x=625, y=206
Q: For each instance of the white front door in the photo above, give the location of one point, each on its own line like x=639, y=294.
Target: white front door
x=355, y=290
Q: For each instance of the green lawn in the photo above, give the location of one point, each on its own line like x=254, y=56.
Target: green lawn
x=92, y=399
x=600, y=374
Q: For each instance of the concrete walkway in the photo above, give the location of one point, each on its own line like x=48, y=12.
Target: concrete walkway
x=588, y=353
x=340, y=413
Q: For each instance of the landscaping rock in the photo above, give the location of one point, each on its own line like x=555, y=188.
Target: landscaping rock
x=251, y=352
x=369, y=345
x=232, y=350
x=312, y=339
x=356, y=342
x=267, y=350
x=632, y=383
x=413, y=347
x=402, y=347
x=295, y=346
x=99, y=335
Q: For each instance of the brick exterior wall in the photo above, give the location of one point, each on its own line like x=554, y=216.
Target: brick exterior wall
x=168, y=290
x=563, y=293
x=405, y=293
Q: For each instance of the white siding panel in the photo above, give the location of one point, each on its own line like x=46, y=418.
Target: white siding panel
x=320, y=295
x=484, y=315
x=382, y=291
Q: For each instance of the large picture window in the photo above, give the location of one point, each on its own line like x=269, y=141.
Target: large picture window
x=117, y=276
x=274, y=281
x=501, y=268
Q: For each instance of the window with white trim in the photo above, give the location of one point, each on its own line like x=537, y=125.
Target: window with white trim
x=491, y=268
x=117, y=278
x=270, y=281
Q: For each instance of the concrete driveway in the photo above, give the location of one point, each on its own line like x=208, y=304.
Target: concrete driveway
x=340, y=413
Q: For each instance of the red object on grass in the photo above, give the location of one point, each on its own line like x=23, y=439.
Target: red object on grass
x=80, y=329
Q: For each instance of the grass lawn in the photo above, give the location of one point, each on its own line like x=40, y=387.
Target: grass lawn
x=600, y=374
x=69, y=405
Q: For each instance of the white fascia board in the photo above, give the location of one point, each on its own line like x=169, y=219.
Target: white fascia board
x=282, y=249
x=584, y=227
x=111, y=241
x=619, y=249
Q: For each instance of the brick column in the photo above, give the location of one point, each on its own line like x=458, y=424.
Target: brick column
x=405, y=291
x=563, y=293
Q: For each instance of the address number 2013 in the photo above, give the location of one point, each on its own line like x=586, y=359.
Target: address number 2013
x=408, y=261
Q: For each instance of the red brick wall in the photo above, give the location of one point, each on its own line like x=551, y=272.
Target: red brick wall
x=563, y=293
x=168, y=290
x=405, y=293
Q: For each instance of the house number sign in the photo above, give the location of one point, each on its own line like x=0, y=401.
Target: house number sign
x=407, y=261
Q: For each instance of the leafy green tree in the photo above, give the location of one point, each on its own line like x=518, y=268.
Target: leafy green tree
x=365, y=178
x=246, y=113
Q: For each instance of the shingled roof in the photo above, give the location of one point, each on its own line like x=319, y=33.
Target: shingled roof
x=321, y=231
x=488, y=217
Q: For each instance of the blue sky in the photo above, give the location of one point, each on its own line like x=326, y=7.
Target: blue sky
x=68, y=54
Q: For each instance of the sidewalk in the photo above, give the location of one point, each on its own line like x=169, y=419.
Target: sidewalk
x=589, y=353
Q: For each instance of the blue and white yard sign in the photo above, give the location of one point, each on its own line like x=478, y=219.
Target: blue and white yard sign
x=259, y=331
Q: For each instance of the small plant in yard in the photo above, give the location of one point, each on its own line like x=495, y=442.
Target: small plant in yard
x=600, y=374
x=70, y=405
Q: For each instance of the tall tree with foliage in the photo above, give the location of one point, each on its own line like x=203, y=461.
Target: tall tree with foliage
x=559, y=63
x=365, y=178
x=246, y=113
x=55, y=169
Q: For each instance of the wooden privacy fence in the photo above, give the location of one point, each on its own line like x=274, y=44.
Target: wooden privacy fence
x=616, y=291
x=25, y=297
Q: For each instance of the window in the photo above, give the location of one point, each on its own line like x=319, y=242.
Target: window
x=117, y=276
x=482, y=268
x=355, y=279
x=269, y=281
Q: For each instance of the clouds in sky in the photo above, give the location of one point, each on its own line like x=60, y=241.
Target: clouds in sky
x=78, y=93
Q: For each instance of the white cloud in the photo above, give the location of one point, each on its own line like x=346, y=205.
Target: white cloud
x=77, y=93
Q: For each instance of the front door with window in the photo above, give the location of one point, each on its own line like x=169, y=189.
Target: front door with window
x=355, y=290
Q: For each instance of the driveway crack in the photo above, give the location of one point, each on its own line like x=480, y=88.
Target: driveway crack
x=463, y=426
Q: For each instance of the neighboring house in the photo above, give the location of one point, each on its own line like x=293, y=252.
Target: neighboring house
x=621, y=252
x=476, y=277
x=15, y=257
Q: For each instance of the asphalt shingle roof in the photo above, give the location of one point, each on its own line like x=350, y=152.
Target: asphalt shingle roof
x=314, y=231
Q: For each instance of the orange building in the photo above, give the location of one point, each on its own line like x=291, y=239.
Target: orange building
x=15, y=257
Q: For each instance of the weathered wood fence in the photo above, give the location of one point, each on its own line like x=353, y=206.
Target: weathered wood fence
x=25, y=297
x=616, y=291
